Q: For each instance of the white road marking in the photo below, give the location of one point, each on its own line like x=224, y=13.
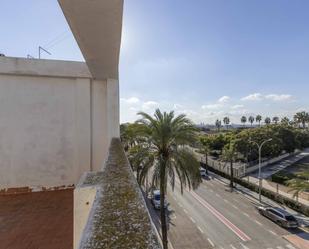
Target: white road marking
x=185, y=211
x=290, y=246
x=279, y=247
x=225, y=200
x=217, y=195
x=235, y=207
x=200, y=229
x=243, y=246
x=258, y=222
x=269, y=247
x=180, y=204
x=232, y=246
x=246, y=214
x=272, y=232
x=192, y=220
x=211, y=190
x=212, y=244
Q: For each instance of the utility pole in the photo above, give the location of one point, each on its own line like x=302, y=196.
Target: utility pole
x=260, y=159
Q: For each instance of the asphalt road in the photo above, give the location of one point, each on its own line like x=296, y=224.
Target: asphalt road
x=214, y=217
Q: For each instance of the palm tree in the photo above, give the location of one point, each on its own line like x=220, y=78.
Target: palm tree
x=164, y=154
x=243, y=120
x=258, y=118
x=251, y=120
x=218, y=124
x=226, y=121
x=301, y=118
x=285, y=121
x=276, y=120
x=229, y=155
x=267, y=120
x=206, y=148
x=299, y=184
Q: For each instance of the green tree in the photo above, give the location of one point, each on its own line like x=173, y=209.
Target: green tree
x=299, y=184
x=243, y=120
x=163, y=153
x=251, y=120
x=267, y=120
x=301, y=118
x=258, y=119
x=276, y=120
x=229, y=155
x=206, y=143
x=226, y=121
x=218, y=124
x=128, y=135
x=285, y=121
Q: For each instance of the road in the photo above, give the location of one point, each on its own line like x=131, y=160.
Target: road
x=214, y=217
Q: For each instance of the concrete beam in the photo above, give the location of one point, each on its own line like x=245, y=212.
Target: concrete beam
x=96, y=26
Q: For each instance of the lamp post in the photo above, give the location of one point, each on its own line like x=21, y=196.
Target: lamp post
x=260, y=158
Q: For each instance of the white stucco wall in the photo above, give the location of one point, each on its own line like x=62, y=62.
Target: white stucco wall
x=53, y=127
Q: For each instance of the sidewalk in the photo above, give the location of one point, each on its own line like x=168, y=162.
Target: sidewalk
x=266, y=185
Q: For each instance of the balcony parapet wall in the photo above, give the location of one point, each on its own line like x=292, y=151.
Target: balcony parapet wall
x=118, y=216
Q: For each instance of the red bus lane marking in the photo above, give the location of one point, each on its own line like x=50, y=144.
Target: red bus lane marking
x=225, y=221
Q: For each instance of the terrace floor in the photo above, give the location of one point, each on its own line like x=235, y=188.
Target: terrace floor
x=37, y=220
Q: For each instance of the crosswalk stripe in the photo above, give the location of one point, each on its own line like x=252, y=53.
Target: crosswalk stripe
x=279, y=247
x=290, y=246
x=232, y=247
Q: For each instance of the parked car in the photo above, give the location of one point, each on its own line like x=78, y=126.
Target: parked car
x=203, y=172
x=155, y=199
x=280, y=216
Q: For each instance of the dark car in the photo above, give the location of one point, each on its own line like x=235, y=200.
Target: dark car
x=280, y=216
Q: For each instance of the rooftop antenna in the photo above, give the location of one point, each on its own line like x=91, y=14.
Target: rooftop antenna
x=44, y=50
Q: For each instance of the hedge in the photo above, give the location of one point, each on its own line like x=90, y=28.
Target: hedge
x=298, y=207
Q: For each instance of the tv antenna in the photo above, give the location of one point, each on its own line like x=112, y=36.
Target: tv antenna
x=44, y=50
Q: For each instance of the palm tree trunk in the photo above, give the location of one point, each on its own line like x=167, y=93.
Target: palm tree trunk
x=232, y=176
x=162, y=209
x=206, y=163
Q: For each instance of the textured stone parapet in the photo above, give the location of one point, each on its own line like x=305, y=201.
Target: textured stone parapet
x=118, y=217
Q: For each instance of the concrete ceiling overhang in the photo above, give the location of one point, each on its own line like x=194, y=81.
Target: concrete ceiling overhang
x=96, y=26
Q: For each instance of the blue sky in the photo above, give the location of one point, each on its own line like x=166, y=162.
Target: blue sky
x=205, y=58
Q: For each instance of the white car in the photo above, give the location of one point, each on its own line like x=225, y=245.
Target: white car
x=203, y=172
x=155, y=199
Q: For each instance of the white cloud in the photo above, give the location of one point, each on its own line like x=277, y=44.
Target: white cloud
x=237, y=107
x=272, y=97
x=212, y=106
x=132, y=100
x=150, y=105
x=279, y=97
x=224, y=99
x=253, y=97
x=177, y=106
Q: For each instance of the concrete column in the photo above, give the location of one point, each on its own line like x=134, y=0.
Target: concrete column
x=112, y=108
x=105, y=119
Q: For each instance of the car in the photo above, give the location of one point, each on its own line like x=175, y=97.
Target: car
x=155, y=199
x=203, y=172
x=280, y=216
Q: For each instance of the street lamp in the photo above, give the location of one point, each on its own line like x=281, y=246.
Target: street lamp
x=260, y=158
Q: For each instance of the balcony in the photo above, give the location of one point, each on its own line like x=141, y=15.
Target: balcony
x=109, y=209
